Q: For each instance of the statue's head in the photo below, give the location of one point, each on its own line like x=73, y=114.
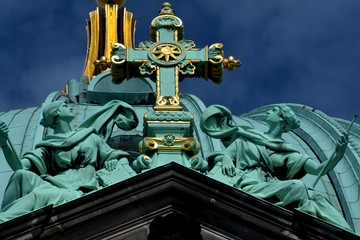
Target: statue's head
x=283, y=115
x=55, y=110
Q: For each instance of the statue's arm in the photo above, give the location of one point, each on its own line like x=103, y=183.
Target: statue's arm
x=10, y=155
x=109, y=157
x=314, y=168
x=227, y=159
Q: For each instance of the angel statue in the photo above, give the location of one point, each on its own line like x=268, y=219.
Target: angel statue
x=65, y=165
x=266, y=166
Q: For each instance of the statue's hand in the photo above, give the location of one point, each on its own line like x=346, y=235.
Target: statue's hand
x=228, y=167
x=141, y=162
x=146, y=161
x=342, y=143
x=111, y=165
x=3, y=133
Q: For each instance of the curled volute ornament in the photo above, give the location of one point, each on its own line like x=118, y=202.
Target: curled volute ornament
x=218, y=62
x=118, y=63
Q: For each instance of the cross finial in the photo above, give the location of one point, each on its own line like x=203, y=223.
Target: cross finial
x=166, y=9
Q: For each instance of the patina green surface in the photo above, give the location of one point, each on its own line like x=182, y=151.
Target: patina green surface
x=266, y=166
x=68, y=163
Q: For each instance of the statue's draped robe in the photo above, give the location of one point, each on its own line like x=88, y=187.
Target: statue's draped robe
x=269, y=168
x=64, y=165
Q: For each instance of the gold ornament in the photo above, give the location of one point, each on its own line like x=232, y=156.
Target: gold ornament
x=103, y=2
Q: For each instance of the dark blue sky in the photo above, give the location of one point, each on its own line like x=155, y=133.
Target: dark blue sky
x=297, y=51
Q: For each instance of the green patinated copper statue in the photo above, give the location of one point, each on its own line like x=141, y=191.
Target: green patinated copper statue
x=265, y=166
x=68, y=163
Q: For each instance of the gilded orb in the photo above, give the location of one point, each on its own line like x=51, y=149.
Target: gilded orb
x=103, y=2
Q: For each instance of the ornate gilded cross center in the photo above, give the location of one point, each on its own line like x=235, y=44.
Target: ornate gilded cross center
x=167, y=52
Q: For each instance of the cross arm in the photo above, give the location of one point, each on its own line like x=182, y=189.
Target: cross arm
x=125, y=62
x=208, y=63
